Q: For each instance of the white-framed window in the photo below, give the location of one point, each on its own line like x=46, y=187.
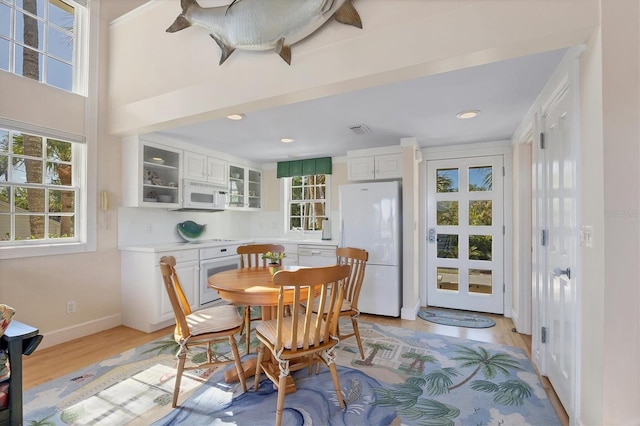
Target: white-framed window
x=307, y=202
x=45, y=40
x=41, y=195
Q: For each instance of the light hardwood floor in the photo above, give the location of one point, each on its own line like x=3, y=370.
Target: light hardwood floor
x=50, y=363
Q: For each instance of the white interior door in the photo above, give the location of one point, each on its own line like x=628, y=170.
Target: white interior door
x=561, y=246
x=465, y=234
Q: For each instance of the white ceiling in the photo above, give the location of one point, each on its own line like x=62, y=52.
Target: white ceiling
x=423, y=108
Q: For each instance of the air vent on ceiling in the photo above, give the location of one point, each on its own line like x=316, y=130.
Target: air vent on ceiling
x=360, y=129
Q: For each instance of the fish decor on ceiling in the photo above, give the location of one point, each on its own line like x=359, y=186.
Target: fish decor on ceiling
x=263, y=24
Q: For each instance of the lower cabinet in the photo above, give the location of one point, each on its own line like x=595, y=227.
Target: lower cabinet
x=145, y=304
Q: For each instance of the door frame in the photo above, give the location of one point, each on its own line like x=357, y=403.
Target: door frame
x=482, y=149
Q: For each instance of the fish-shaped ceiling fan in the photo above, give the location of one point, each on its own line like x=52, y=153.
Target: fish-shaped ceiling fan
x=263, y=24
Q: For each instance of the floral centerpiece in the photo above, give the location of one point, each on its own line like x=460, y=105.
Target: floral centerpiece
x=274, y=257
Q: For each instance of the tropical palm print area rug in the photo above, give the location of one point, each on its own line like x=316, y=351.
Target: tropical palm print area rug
x=407, y=378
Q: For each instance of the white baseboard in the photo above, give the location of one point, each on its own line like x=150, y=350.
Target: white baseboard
x=63, y=335
x=410, y=313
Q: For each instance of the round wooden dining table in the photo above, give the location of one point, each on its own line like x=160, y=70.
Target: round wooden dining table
x=251, y=287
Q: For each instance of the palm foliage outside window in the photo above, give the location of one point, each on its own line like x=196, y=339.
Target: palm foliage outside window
x=307, y=204
x=38, y=189
x=39, y=40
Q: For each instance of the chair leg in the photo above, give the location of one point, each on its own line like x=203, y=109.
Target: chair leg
x=356, y=330
x=334, y=375
x=256, y=382
x=236, y=358
x=182, y=357
x=282, y=388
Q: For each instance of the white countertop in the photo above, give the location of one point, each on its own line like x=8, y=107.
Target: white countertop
x=181, y=245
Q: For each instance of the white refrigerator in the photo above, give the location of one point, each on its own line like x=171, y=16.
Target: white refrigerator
x=371, y=219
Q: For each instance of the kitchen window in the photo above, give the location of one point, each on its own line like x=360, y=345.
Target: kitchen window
x=41, y=197
x=42, y=40
x=307, y=202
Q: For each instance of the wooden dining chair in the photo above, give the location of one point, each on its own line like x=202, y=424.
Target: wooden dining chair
x=357, y=259
x=202, y=327
x=299, y=338
x=251, y=257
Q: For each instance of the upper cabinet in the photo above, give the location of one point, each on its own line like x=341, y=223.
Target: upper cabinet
x=204, y=168
x=245, y=188
x=151, y=174
x=375, y=166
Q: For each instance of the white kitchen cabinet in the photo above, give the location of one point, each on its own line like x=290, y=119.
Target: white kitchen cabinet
x=145, y=304
x=151, y=174
x=291, y=251
x=372, y=167
x=245, y=188
x=316, y=255
x=204, y=168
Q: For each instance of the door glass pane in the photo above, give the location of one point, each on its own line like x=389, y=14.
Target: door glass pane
x=447, y=213
x=480, y=213
x=447, y=180
x=447, y=246
x=479, y=247
x=448, y=279
x=480, y=281
x=480, y=178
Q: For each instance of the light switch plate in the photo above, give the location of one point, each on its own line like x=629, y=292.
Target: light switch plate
x=586, y=236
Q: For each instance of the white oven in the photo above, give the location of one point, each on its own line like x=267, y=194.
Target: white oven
x=214, y=260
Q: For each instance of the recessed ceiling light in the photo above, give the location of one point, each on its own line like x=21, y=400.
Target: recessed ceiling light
x=287, y=140
x=235, y=116
x=468, y=114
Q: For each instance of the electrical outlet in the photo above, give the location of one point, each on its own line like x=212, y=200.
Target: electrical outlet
x=71, y=306
x=149, y=229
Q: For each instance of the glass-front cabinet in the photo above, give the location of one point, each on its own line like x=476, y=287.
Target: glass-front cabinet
x=245, y=188
x=151, y=174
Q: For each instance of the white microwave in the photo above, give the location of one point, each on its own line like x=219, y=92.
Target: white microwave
x=203, y=196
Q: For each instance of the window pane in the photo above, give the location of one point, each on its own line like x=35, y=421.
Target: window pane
x=480, y=281
x=25, y=170
x=480, y=178
x=5, y=21
x=29, y=199
x=295, y=209
x=4, y=140
x=29, y=227
x=5, y=227
x=59, y=74
x=28, y=62
x=447, y=246
x=447, y=213
x=61, y=226
x=448, y=279
x=480, y=213
x=4, y=54
x=4, y=168
x=480, y=247
x=447, y=180
x=60, y=44
x=58, y=174
x=5, y=197
x=61, y=201
x=61, y=14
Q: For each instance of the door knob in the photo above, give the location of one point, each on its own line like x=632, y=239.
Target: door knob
x=557, y=272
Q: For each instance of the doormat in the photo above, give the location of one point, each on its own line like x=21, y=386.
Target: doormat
x=456, y=318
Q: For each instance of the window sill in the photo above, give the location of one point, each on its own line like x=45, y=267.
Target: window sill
x=44, y=250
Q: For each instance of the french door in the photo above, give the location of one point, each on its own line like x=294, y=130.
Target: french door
x=465, y=252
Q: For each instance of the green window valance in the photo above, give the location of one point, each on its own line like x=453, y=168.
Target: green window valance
x=312, y=166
